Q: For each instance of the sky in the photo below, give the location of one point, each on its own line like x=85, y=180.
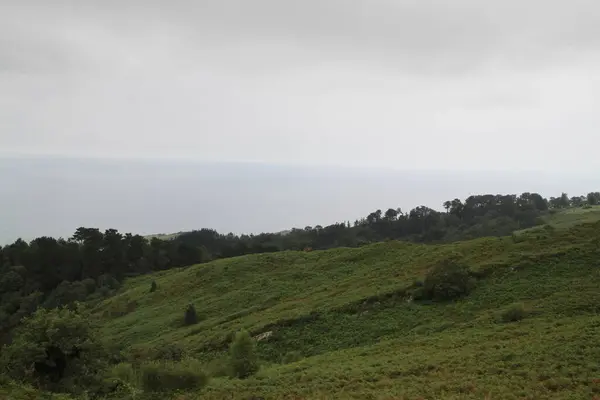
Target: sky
x=407, y=84
x=340, y=89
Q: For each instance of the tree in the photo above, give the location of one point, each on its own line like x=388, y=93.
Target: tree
x=447, y=205
x=190, y=317
x=447, y=280
x=55, y=349
x=242, y=353
x=578, y=201
x=564, y=200
x=593, y=198
x=10, y=281
x=391, y=214
x=153, y=287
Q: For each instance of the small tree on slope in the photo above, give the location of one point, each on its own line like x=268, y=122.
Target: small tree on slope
x=243, y=355
x=191, y=317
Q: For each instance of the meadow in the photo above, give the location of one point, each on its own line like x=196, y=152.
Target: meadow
x=342, y=323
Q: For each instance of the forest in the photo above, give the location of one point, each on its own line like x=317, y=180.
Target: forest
x=90, y=265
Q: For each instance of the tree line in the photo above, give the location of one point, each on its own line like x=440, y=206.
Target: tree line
x=89, y=265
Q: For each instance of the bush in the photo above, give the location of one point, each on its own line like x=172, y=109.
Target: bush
x=67, y=293
x=219, y=367
x=447, y=281
x=167, y=377
x=292, y=356
x=514, y=313
x=242, y=353
x=153, y=287
x=191, y=317
x=108, y=281
x=169, y=352
x=54, y=349
x=124, y=372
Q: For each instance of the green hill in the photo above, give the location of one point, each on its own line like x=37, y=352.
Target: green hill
x=349, y=313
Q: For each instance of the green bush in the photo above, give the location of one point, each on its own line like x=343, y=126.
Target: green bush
x=56, y=350
x=514, y=313
x=219, y=367
x=447, y=281
x=153, y=287
x=108, y=281
x=242, y=353
x=124, y=372
x=191, y=317
x=169, y=352
x=169, y=376
x=292, y=356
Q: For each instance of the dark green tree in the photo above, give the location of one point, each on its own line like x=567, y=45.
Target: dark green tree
x=593, y=198
x=447, y=280
x=190, y=317
x=58, y=346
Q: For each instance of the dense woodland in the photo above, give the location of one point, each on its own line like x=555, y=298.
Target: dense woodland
x=90, y=265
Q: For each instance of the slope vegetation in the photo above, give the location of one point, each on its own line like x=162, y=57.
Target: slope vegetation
x=350, y=314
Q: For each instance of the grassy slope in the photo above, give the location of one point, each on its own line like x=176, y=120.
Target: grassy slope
x=567, y=218
x=359, y=343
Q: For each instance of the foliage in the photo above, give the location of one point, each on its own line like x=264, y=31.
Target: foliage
x=153, y=287
x=349, y=312
x=219, y=367
x=56, y=349
x=169, y=376
x=448, y=280
x=53, y=267
x=190, y=317
x=243, y=355
x=514, y=313
x=168, y=352
x=124, y=372
x=291, y=356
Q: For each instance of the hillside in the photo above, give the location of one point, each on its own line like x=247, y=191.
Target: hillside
x=348, y=312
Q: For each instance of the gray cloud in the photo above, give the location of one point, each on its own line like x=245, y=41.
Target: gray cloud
x=407, y=84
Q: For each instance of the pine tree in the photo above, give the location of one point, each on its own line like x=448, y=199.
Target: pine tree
x=191, y=317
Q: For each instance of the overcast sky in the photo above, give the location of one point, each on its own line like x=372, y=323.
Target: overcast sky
x=455, y=87
x=408, y=84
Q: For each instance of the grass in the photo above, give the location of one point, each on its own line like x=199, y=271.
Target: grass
x=347, y=316
x=565, y=219
x=342, y=323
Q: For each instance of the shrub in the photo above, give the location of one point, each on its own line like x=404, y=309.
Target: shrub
x=292, y=356
x=67, y=293
x=54, y=349
x=191, y=317
x=242, y=353
x=153, y=287
x=514, y=313
x=167, y=377
x=108, y=281
x=219, y=367
x=447, y=281
x=169, y=352
x=124, y=372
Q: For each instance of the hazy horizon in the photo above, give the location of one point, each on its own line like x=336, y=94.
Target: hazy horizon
x=289, y=111
x=50, y=196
